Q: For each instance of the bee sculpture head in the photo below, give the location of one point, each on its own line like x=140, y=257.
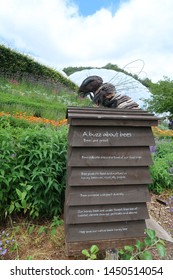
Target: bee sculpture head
x=104, y=94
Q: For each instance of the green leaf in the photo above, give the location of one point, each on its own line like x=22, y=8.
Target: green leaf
x=18, y=206
x=19, y=193
x=93, y=257
x=85, y=253
x=139, y=245
x=148, y=241
x=129, y=248
x=23, y=195
x=94, y=249
x=31, y=229
x=11, y=208
x=161, y=250
x=53, y=232
x=29, y=258
x=126, y=256
x=41, y=229
x=29, y=187
x=151, y=233
x=24, y=205
x=146, y=256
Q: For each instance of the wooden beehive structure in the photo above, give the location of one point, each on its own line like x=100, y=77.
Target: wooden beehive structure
x=107, y=176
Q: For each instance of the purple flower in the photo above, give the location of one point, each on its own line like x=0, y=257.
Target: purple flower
x=4, y=252
x=152, y=149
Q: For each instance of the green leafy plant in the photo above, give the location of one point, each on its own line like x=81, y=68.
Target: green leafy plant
x=56, y=222
x=142, y=250
x=52, y=228
x=22, y=202
x=33, y=170
x=161, y=173
x=91, y=254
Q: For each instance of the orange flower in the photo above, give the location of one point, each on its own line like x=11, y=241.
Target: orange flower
x=159, y=132
x=23, y=116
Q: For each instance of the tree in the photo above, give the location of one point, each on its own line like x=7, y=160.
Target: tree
x=162, y=96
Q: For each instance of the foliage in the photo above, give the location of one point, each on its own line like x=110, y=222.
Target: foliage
x=162, y=96
x=91, y=254
x=56, y=222
x=14, y=64
x=70, y=70
x=33, y=168
x=162, y=168
x=142, y=250
x=163, y=147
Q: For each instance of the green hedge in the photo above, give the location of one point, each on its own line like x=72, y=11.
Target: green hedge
x=33, y=170
x=14, y=64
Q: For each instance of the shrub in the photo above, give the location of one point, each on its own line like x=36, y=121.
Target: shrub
x=163, y=147
x=162, y=169
x=33, y=168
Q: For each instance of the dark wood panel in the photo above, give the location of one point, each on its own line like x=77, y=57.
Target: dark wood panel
x=106, y=213
x=110, y=116
x=73, y=110
x=75, y=248
x=97, y=231
x=108, y=176
x=110, y=136
x=114, y=122
x=106, y=195
x=109, y=156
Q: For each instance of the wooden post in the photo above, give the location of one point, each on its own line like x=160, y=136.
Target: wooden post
x=107, y=177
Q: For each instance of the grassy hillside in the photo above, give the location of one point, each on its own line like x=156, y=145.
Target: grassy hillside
x=35, y=99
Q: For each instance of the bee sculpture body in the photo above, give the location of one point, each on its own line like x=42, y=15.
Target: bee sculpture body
x=104, y=94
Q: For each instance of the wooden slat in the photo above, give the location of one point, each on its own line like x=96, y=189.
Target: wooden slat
x=109, y=156
x=75, y=248
x=110, y=136
x=106, y=195
x=72, y=110
x=80, y=116
x=106, y=213
x=108, y=176
x=104, y=231
x=113, y=122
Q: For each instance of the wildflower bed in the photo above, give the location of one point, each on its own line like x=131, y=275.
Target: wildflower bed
x=34, y=119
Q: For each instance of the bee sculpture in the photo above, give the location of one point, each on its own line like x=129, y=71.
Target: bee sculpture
x=105, y=94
